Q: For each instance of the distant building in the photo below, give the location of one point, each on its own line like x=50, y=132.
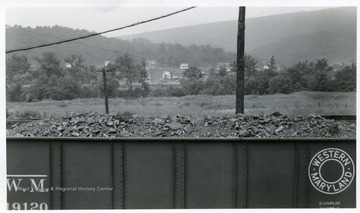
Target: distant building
x=265, y=67
x=338, y=66
x=227, y=66
x=150, y=64
x=67, y=65
x=184, y=66
x=166, y=75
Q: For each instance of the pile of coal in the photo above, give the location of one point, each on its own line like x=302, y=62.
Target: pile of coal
x=276, y=125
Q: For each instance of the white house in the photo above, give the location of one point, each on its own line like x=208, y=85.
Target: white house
x=166, y=75
x=184, y=66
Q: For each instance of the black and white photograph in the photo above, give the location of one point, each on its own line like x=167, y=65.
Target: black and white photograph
x=148, y=106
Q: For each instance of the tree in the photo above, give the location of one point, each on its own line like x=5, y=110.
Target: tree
x=300, y=74
x=39, y=88
x=76, y=61
x=193, y=73
x=192, y=82
x=212, y=72
x=228, y=83
x=280, y=84
x=18, y=69
x=67, y=88
x=262, y=82
x=222, y=72
x=250, y=66
x=321, y=76
x=143, y=75
x=260, y=79
x=251, y=85
x=192, y=86
x=49, y=64
x=271, y=68
x=346, y=79
x=47, y=77
x=77, y=68
x=250, y=75
x=272, y=64
x=53, y=82
x=212, y=86
x=18, y=73
x=128, y=69
x=111, y=82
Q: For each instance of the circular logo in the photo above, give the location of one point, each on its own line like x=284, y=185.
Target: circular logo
x=331, y=171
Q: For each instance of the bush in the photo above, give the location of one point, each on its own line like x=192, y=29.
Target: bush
x=176, y=91
x=167, y=91
x=67, y=89
x=88, y=92
x=229, y=84
x=345, y=79
x=192, y=86
x=112, y=85
x=14, y=93
x=212, y=86
x=158, y=92
x=137, y=93
x=280, y=84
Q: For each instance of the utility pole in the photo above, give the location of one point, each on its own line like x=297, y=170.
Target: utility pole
x=240, y=61
x=105, y=90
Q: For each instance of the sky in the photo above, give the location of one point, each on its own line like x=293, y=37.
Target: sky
x=104, y=18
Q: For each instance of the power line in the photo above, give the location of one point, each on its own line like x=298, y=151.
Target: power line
x=51, y=36
x=96, y=34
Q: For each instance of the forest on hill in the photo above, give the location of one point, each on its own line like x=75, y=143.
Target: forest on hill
x=290, y=38
x=294, y=37
x=96, y=50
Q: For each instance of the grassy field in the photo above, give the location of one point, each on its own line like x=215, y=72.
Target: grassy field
x=332, y=103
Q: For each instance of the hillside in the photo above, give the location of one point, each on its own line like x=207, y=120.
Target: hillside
x=96, y=50
x=290, y=38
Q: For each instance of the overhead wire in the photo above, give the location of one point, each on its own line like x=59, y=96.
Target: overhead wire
x=51, y=36
x=100, y=33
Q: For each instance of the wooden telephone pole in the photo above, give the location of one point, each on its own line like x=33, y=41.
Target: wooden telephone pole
x=105, y=92
x=104, y=70
x=240, y=61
